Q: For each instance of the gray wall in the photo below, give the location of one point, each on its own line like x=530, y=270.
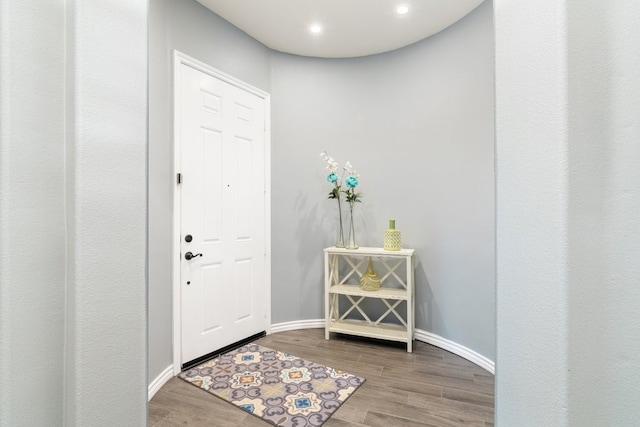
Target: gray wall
x=73, y=111
x=568, y=235
x=417, y=124
x=32, y=169
x=189, y=27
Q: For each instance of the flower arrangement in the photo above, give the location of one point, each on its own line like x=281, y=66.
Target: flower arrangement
x=351, y=196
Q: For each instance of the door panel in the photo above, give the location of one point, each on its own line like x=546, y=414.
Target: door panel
x=223, y=208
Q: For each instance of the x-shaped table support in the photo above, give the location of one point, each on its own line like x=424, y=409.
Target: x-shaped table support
x=355, y=305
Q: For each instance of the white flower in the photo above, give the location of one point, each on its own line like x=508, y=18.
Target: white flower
x=350, y=170
x=332, y=165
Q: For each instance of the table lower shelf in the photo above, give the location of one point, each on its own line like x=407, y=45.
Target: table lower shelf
x=386, y=331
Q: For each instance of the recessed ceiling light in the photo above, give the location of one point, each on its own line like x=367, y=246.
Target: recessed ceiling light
x=402, y=10
x=315, y=29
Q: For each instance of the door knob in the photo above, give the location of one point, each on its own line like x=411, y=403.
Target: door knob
x=190, y=255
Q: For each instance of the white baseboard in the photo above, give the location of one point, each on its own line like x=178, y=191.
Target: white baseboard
x=420, y=335
x=298, y=324
x=455, y=348
x=160, y=380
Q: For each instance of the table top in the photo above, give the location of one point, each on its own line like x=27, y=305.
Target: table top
x=369, y=251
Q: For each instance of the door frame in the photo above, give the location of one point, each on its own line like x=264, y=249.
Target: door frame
x=180, y=59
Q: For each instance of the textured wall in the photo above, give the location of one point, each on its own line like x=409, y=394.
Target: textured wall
x=568, y=197
x=604, y=213
x=531, y=156
x=32, y=215
x=106, y=213
x=73, y=111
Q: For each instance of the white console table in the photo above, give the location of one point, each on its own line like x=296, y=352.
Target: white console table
x=343, y=269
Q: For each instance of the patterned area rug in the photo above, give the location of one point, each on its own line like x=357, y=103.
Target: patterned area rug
x=280, y=388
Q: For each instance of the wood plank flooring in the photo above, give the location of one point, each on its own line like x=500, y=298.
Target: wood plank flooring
x=429, y=387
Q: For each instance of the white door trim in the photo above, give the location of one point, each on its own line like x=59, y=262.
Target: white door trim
x=179, y=59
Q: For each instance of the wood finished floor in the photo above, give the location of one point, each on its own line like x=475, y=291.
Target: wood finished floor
x=429, y=387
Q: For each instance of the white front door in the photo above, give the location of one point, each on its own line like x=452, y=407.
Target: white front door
x=222, y=195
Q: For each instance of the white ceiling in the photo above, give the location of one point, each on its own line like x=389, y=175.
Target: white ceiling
x=351, y=28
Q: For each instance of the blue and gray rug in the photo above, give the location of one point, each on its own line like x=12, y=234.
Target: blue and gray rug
x=280, y=388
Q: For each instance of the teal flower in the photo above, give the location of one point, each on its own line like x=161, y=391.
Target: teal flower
x=351, y=181
x=332, y=178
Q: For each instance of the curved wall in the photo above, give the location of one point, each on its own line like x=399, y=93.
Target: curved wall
x=417, y=123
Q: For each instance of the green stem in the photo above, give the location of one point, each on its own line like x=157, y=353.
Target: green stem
x=340, y=243
x=351, y=241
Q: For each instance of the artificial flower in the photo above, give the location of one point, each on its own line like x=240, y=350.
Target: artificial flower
x=351, y=181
